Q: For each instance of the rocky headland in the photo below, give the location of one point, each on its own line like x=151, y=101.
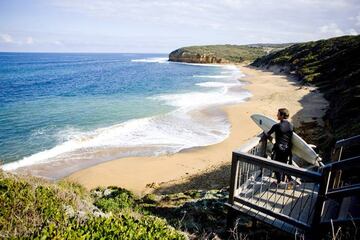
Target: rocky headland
x=222, y=54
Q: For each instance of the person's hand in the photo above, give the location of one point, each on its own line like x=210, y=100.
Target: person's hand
x=263, y=137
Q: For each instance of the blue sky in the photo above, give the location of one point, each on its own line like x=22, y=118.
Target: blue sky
x=164, y=25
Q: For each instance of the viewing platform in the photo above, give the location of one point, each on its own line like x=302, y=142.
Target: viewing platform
x=315, y=198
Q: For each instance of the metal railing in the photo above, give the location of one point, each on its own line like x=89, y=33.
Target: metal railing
x=341, y=192
x=300, y=204
x=343, y=183
x=253, y=189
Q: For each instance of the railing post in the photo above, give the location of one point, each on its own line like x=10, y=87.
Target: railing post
x=231, y=215
x=263, y=148
x=233, y=176
x=319, y=204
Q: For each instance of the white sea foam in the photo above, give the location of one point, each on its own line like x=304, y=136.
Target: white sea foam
x=218, y=84
x=152, y=60
x=41, y=157
x=173, y=131
x=212, y=76
x=201, y=64
x=169, y=133
x=200, y=99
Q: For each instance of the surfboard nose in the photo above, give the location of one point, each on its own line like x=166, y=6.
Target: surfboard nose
x=256, y=118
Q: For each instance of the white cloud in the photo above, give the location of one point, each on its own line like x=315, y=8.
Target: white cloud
x=331, y=30
x=57, y=42
x=29, y=40
x=352, y=32
x=357, y=20
x=202, y=13
x=6, y=38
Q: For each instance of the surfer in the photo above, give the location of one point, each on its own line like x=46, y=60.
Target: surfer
x=282, y=148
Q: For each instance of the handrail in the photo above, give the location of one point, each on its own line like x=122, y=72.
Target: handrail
x=278, y=166
x=343, y=164
x=348, y=141
x=343, y=192
x=336, y=222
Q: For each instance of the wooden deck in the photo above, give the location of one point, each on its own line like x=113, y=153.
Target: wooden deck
x=311, y=199
x=288, y=199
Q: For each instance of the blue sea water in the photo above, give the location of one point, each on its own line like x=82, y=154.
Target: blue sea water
x=61, y=110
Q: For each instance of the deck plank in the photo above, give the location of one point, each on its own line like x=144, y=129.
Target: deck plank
x=296, y=202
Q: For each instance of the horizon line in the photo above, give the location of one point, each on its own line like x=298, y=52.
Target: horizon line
x=84, y=52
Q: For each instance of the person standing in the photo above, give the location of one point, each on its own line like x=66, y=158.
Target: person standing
x=283, y=133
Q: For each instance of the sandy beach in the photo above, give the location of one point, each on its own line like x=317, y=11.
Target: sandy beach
x=269, y=92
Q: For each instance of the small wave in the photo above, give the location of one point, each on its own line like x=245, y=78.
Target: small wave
x=212, y=76
x=151, y=60
x=41, y=157
x=201, y=64
x=217, y=84
x=195, y=100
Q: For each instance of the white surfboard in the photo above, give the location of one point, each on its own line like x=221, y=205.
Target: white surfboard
x=300, y=147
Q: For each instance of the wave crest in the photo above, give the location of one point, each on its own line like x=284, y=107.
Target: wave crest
x=151, y=60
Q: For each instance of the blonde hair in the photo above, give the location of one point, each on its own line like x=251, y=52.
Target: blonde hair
x=284, y=112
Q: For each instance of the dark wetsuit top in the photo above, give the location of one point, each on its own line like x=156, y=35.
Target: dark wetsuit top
x=283, y=133
x=282, y=148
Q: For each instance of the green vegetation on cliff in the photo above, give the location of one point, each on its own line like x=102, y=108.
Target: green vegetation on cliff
x=222, y=53
x=32, y=208
x=334, y=66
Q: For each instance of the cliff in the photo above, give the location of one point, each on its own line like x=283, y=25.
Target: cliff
x=222, y=53
x=333, y=65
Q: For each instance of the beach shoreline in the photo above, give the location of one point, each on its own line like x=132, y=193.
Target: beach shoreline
x=269, y=92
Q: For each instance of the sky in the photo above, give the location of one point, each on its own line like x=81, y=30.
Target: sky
x=160, y=26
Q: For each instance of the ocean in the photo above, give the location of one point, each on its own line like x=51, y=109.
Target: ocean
x=61, y=112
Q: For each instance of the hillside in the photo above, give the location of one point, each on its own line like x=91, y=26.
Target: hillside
x=334, y=66
x=222, y=53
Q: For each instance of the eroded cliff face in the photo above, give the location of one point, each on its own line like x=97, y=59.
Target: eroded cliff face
x=183, y=56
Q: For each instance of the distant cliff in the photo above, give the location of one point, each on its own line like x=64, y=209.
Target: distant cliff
x=334, y=66
x=222, y=53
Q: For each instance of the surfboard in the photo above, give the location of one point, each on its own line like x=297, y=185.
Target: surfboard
x=300, y=147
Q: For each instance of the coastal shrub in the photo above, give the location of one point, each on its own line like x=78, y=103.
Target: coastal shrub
x=27, y=204
x=33, y=208
x=124, y=227
x=150, y=198
x=76, y=188
x=281, y=59
x=115, y=199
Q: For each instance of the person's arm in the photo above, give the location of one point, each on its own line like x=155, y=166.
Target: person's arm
x=267, y=135
x=272, y=130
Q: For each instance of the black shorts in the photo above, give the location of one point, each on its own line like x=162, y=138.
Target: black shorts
x=280, y=156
